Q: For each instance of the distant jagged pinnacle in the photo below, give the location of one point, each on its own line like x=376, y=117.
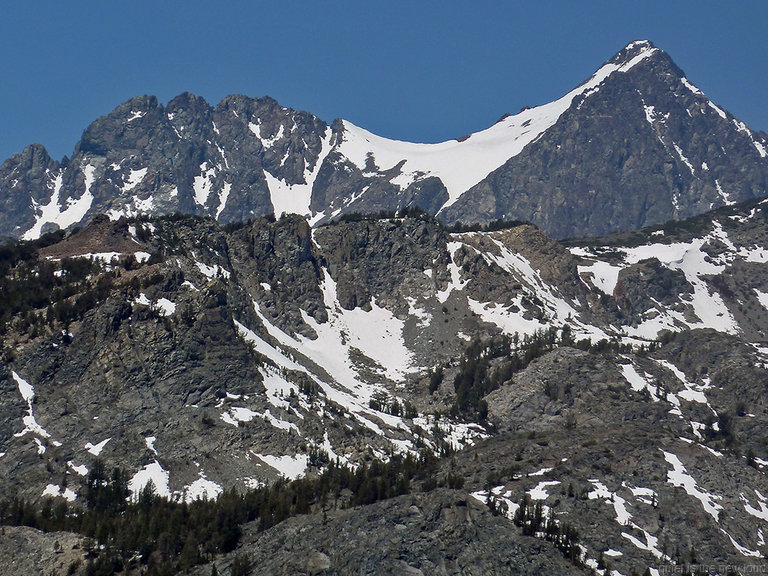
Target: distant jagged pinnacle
x=633, y=49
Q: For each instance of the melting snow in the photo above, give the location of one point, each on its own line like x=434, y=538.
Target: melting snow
x=212, y=271
x=135, y=115
x=725, y=198
x=239, y=414
x=693, y=392
x=150, y=473
x=558, y=309
x=651, y=543
x=30, y=424
x=683, y=158
x=295, y=198
x=203, y=183
x=718, y=110
x=96, y=449
x=223, y=197
x=134, y=179
x=678, y=476
x=762, y=298
x=376, y=334
x=636, y=381
x=694, y=263
x=163, y=306
x=456, y=282
x=421, y=314
x=55, y=490
x=63, y=216
x=604, y=276
x=81, y=470
x=691, y=87
x=762, y=513
x=269, y=142
x=462, y=164
x=623, y=517
x=290, y=467
x=539, y=492
x=202, y=489
x=166, y=307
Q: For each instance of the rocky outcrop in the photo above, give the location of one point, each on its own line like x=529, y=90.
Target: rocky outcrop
x=633, y=154
x=28, y=551
x=442, y=532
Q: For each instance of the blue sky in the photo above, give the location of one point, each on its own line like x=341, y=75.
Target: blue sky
x=419, y=70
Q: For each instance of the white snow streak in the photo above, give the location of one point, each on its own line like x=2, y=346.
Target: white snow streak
x=63, y=216
x=462, y=164
x=295, y=198
x=96, y=449
x=30, y=424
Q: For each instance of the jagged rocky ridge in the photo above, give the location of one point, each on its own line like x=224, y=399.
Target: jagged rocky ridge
x=226, y=357
x=636, y=144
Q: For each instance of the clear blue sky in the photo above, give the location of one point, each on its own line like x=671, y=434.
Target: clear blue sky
x=413, y=70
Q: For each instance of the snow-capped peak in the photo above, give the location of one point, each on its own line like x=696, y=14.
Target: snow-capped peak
x=461, y=164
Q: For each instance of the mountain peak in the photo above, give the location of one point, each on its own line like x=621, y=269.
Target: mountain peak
x=639, y=51
x=622, y=127
x=634, y=52
x=639, y=44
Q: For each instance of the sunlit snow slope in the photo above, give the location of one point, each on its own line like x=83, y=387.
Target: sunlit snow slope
x=462, y=163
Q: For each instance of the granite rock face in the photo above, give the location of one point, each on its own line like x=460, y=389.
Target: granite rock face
x=442, y=532
x=646, y=147
x=28, y=551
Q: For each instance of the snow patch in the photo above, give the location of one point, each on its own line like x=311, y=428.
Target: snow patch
x=135, y=115
x=604, y=276
x=295, y=198
x=223, y=197
x=539, y=492
x=165, y=307
x=30, y=424
x=462, y=164
x=679, y=476
x=623, y=517
x=723, y=195
x=64, y=216
x=135, y=178
x=203, y=184
x=683, y=158
x=636, y=381
x=150, y=473
x=291, y=467
x=81, y=470
x=55, y=490
x=202, y=489
x=212, y=271
x=456, y=282
x=96, y=449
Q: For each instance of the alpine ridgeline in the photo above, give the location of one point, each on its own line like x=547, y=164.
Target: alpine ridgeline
x=596, y=399
x=637, y=144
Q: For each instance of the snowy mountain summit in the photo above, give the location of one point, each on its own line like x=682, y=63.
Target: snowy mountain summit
x=636, y=144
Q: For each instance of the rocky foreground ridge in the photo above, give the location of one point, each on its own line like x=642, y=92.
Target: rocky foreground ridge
x=613, y=386
x=636, y=144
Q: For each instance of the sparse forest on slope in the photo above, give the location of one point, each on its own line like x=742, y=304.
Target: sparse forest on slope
x=589, y=402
